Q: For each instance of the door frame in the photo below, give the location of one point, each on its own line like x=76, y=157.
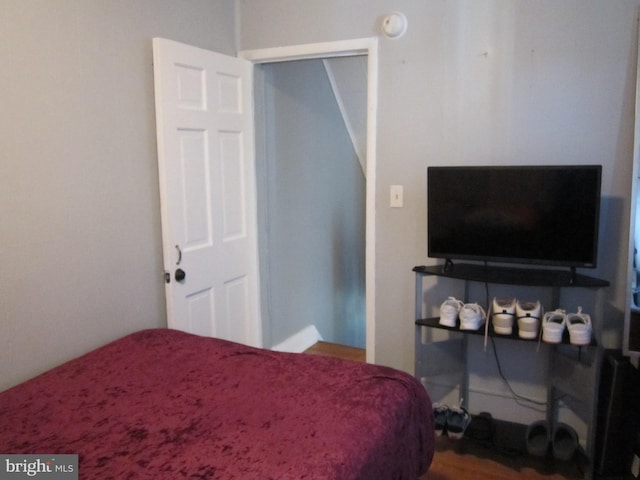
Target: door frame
x=345, y=48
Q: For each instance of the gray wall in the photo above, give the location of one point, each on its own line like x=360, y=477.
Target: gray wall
x=79, y=208
x=472, y=81
x=477, y=82
x=316, y=209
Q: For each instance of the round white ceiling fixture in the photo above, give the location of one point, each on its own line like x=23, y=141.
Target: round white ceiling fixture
x=394, y=25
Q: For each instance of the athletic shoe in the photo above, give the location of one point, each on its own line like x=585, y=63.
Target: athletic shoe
x=528, y=315
x=472, y=316
x=458, y=420
x=579, y=326
x=440, y=414
x=553, y=325
x=449, y=311
x=502, y=314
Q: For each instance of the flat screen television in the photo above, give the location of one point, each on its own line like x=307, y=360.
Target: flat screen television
x=543, y=215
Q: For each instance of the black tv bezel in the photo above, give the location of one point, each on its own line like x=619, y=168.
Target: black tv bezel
x=449, y=257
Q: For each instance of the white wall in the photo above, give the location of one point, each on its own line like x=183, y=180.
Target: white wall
x=478, y=82
x=80, y=243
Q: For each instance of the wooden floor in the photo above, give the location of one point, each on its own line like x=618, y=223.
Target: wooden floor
x=463, y=459
x=334, y=350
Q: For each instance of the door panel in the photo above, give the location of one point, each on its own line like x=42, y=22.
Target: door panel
x=233, y=186
x=196, y=192
x=207, y=189
x=201, y=313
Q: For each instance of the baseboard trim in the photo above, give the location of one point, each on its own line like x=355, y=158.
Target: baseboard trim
x=300, y=341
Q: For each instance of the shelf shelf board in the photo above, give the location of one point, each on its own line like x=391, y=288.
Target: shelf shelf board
x=434, y=323
x=512, y=275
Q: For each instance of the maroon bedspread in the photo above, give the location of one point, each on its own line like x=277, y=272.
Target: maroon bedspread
x=163, y=404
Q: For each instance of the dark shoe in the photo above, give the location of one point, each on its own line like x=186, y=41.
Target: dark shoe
x=440, y=414
x=457, y=422
x=564, y=442
x=481, y=428
x=538, y=438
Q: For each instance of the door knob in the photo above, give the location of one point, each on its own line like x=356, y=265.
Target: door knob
x=180, y=275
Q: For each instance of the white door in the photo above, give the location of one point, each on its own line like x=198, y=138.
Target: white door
x=204, y=115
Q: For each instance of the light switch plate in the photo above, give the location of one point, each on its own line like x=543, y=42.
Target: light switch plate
x=396, y=196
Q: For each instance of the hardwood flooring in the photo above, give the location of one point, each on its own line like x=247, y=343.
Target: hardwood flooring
x=464, y=459
x=334, y=350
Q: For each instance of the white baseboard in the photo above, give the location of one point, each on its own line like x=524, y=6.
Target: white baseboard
x=300, y=341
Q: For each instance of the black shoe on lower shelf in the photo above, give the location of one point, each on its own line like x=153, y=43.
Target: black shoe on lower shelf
x=481, y=429
x=564, y=442
x=538, y=438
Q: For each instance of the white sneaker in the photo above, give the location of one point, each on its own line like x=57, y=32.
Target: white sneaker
x=472, y=316
x=502, y=314
x=528, y=314
x=449, y=311
x=553, y=325
x=579, y=326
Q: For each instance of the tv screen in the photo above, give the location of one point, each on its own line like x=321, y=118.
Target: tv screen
x=545, y=215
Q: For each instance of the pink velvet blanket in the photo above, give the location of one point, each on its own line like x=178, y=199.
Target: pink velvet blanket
x=163, y=404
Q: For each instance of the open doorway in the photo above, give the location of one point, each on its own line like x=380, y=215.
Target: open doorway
x=313, y=198
x=282, y=265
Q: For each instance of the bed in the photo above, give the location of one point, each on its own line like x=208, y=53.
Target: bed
x=164, y=404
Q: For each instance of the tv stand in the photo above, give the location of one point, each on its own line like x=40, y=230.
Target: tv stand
x=572, y=372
